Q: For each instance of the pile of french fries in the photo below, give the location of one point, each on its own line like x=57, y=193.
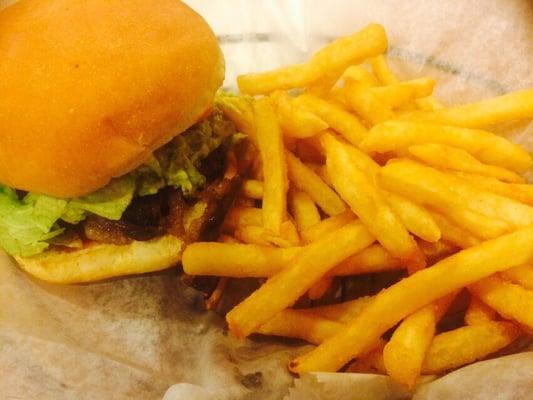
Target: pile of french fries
x=357, y=172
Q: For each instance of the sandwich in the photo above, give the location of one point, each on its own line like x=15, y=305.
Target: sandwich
x=113, y=156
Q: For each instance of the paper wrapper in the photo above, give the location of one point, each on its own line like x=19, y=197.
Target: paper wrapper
x=142, y=337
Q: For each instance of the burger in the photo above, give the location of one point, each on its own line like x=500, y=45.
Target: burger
x=113, y=155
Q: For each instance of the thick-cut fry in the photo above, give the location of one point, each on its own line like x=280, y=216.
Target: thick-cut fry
x=340, y=120
x=478, y=313
x=296, y=121
x=511, y=301
x=305, y=179
x=509, y=107
x=283, y=289
x=450, y=195
x=252, y=189
x=487, y=147
x=453, y=233
x=243, y=216
x=303, y=209
x=522, y=275
x=520, y=192
x=447, y=157
x=367, y=203
x=300, y=325
x=365, y=102
x=341, y=312
x=416, y=219
x=403, y=298
x=372, y=259
x=338, y=55
x=398, y=94
x=274, y=167
x=360, y=74
x=319, y=289
x=467, y=344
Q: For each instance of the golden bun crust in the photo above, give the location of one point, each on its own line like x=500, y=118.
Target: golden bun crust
x=102, y=261
x=90, y=88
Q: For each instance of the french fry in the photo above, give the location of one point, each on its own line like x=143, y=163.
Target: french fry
x=438, y=250
x=305, y=179
x=300, y=325
x=319, y=289
x=399, y=94
x=213, y=300
x=261, y=236
x=367, y=203
x=447, y=157
x=227, y=239
x=382, y=70
x=519, y=192
x=344, y=51
x=467, y=344
x=424, y=287
x=365, y=102
x=522, y=275
x=340, y=120
x=239, y=110
x=242, y=216
x=453, y=233
x=274, y=166
x=509, y=107
x=510, y=300
x=450, y=195
x=282, y=290
x=252, y=189
x=370, y=363
x=341, y=312
x=397, y=136
x=323, y=85
x=303, y=209
x=295, y=121
x=478, y=313
x=328, y=225
x=360, y=74
x=309, y=150
x=372, y=259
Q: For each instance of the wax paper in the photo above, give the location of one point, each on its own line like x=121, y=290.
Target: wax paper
x=148, y=337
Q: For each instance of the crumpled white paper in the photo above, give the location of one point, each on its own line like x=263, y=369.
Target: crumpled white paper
x=147, y=337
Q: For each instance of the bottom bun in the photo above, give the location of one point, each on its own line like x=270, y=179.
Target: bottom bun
x=102, y=261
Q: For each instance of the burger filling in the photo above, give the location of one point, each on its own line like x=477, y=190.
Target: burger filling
x=182, y=190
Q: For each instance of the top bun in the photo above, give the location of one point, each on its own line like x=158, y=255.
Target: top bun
x=88, y=89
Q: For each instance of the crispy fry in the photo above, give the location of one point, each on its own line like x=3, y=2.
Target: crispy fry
x=283, y=289
x=447, y=157
x=242, y=216
x=478, y=313
x=397, y=136
x=438, y=250
x=510, y=300
x=252, y=189
x=338, y=55
x=296, y=121
x=360, y=74
x=509, y=107
x=340, y=120
x=403, y=298
x=370, y=363
x=367, y=203
x=305, y=179
x=274, y=166
x=303, y=209
x=300, y=325
x=452, y=196
x=213, y=300
x=372, y=259
x=365, y=102
x=382, y=70
x=261, y=236
x=341, y=312
x=320, y=288
x=467, y=344
x=522, y=275
x=453, y=233
x=399, y=94
x=239, y=110
x=323, y=85
x=328, y=225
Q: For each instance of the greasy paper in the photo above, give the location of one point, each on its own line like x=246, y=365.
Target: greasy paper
x=142, y=337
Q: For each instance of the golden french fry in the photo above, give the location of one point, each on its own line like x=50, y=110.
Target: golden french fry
x=296, y=121
x=305, y=179
x=289, y=232
x=303, y=209
x=300, y=325
x=360, y=74
x=252, y=189
x=467, y=344
x=372, y=259
x=403, y=298
x=309, y=265
x=239, y=110
x=478, y=313
x=382, y=70
x=242, y=216
x=323, y=85
x=367, y=202
x=453, y=196
x=261, y=236
x=319, y=289
x=509, y=107
x=399, y=94
x=453, y=233
x=212, y=301
x=438, y=250
x=365, y=102
x=520, y=192
x=338, y=55
x=328, y=225
x=448, y=157
x=370, y=363
x=522, y=275
x=274, y=166
x=397, y=136
x=340, y=120
x=415, y=218
x=341, y=312
x=510, y=300
x=227, y=239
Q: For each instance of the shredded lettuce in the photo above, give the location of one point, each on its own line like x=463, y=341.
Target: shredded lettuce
x=27, y=224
